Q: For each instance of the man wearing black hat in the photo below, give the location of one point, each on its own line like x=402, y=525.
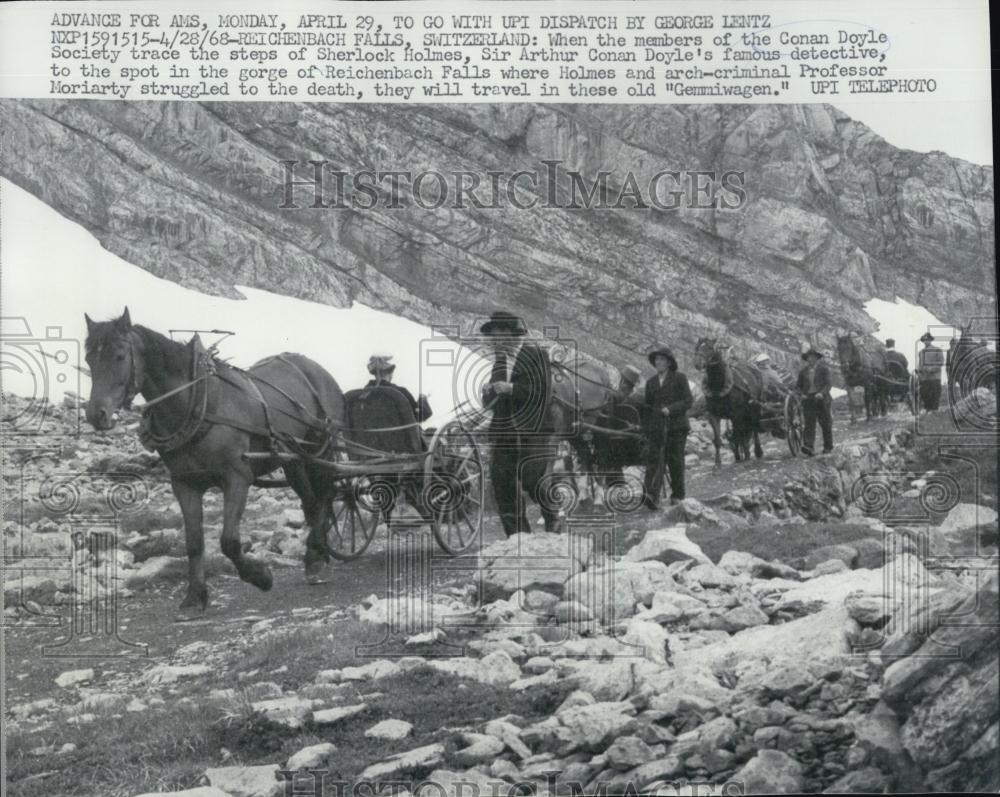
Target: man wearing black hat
x=520, y=392
x=814, y=385
x=666, y=426
x=930, y=362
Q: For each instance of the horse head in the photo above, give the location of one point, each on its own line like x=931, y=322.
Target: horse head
x=706, y=352
x=115, y=368
x=847, y=353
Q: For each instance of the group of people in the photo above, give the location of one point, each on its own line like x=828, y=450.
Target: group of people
x=519, y=394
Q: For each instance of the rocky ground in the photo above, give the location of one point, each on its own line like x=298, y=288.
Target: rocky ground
x=791, y=627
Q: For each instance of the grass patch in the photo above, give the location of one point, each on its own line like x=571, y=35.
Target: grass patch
x=119, y=755
x=169, y=749
x=434, y=703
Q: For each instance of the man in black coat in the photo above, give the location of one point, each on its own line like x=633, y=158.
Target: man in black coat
x=814, y=385
x=521, y=431
x=666, y=426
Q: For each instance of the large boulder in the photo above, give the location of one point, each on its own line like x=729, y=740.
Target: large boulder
x=238, y=781
x=667, y=546
x=967, y=530
x=946, y=694
x=613, y=591
x=771, y=772
x=531, y=561
x=739, y=562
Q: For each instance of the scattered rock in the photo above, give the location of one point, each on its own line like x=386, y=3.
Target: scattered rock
x=496, y=668
x=331, y=716
x=628, y=752
x=737, y=562
x=312, y=757
x=479, y=749
x=632, y=583
x=418, y=759
x=771, y=772
x=238, y=781
x=74, y=677
x=666, y=545
x=531, y=561
x=291, y=712
x=390, y=729
x=847, y=554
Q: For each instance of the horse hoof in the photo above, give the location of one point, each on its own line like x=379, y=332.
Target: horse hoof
x=317, y=573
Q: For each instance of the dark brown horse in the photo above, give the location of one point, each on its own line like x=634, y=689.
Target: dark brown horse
x=726, y=398
x=866, y=368
x=203, y=416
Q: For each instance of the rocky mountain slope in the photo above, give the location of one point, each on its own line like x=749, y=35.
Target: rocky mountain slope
x=191, y=192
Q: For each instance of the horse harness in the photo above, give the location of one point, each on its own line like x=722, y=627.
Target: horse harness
x=198, y=420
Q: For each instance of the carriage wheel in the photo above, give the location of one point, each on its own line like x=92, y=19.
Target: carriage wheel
x=793, y=423
x=357, y=512
x=913, y=395
x=454, y=480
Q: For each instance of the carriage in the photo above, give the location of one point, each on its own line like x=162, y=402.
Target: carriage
x=382, y=460
x=617, y=427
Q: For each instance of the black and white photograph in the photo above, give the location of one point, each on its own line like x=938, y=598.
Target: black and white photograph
x=431, y=399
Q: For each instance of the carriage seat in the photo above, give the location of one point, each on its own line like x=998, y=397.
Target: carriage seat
x=370, y=409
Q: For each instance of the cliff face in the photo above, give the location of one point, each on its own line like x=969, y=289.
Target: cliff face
x=191, y=192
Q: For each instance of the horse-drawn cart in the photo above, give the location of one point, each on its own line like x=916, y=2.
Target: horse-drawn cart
x=782, y=416
x=381, y=456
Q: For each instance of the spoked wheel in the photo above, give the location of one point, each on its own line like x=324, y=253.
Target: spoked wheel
x=913, y=397
x=454, y=481
x=357, y=512
x=793, y=423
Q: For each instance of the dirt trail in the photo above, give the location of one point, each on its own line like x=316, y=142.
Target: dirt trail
x=146, y=617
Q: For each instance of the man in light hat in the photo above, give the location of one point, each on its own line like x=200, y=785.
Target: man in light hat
x=774, y=385
x=667, y=401
x=521, y=430
x=930, y=362
x=814, y=385
x=630, y=376
x=381, y=367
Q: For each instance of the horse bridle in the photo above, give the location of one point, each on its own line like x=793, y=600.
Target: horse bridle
x=134, y=386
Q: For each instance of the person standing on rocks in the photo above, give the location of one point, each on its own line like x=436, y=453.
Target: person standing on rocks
x=814, y=385
x=521, y=430
x=666, y=426
x=930, y=363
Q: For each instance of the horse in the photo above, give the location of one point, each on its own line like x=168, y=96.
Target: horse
x=587, y=407
x=203, y=416
x=971, y=365
x=731, y=398
x=864, y=368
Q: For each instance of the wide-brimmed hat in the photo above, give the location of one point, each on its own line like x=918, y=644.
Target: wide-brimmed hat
x=630, y=374
x=890, y=343
x=380, y=364
x=808, y=348
x=927, y=337
x=663, y=351
x=503, y=322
